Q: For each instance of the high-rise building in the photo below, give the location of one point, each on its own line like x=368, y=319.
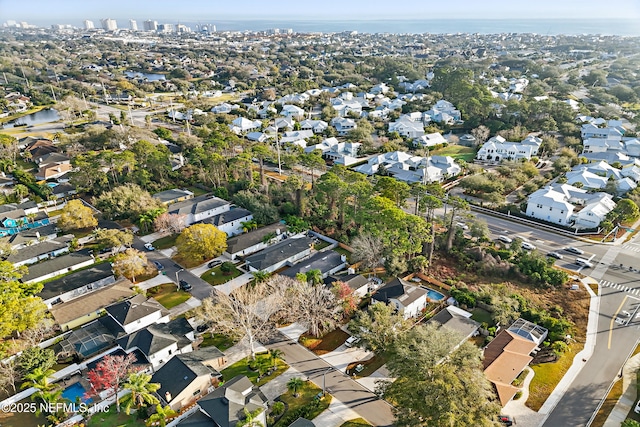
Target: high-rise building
x=133, y=25
x=181, y=28
x=109, y=24
x=88, y=25
x=165, y=28
x=151, y=25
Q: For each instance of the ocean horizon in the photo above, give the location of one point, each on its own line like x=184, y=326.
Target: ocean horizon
x=620, y=27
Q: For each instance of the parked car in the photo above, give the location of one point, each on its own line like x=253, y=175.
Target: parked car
x=555, y=255
x=637, y=408
x=528, y=246
x=505, y=239
x=507, y=420
x=351, y=341
x=214, y=263
x=583, y=262
x=185, y=286
x=149, y=247
x=462, y=225
x=158, y=265
x=573, y=250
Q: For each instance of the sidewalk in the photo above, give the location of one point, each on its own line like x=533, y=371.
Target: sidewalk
x=629, y=393
x=185, y=306
x=525, y=417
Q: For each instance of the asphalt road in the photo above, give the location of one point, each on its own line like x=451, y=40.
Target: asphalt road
x=376, y=411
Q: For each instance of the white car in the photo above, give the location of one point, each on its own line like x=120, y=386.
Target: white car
x=528, y=246
x=351, y=341
x=149, y=247
x=462, y=225
x=505, y=239
x=637, y=408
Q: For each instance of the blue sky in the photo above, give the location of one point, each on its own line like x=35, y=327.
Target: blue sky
x=44, y=12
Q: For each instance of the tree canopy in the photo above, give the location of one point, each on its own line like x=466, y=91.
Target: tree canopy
x=76, y=215
x=201, y=241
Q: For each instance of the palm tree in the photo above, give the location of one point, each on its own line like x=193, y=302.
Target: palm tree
x=314, y=276
x=295, y=384
x=141, y=391
x=31, y=217
x=250, y=419
x=275, y=354
x=39, y=379
x=249, y=225
x=161, y=416
x=260, y=276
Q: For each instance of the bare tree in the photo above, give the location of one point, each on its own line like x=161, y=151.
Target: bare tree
x=8, y=376
x=249, y=311
x=173, y=223
x=37, y=334
x=312, y=305
x=481, y=134
x=368, y=250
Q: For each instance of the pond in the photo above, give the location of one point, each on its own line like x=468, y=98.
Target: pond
x=152, y=77
x=42, y=116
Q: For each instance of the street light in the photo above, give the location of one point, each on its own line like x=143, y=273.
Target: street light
x=323, y=380
x=177, y=280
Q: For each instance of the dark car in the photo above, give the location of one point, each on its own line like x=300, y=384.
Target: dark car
x=507, y=420
x=555, y=255
x=158, y=265
x=214, y=263
x=573, y=250
x=185, y=286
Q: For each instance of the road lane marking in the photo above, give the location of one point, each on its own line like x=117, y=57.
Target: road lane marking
x=613, y=319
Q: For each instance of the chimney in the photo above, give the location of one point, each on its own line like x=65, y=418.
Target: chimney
x=167, y=397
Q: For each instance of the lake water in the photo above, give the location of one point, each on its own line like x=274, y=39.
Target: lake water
x=149, y=76
x=42, y=116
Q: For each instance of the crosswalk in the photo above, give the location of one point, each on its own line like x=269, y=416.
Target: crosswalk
x=619, y=287
x=633, y=247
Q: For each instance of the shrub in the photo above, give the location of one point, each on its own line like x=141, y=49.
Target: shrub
x=277, y=408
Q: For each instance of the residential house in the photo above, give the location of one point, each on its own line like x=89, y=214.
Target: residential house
x=346, y=107
x=286, y=123
x=158, y=343
x=408, y=168
x=587, y=179
x=175, y=195
x=327, y=262
x=136, y=313
x=294, y=98
x=467, y=140
x=199, y=208
x=632, y=147
x=38, y=147
x=76, y=284
x=343, y=125
x=242, y=125
x=430, y=140
x=225, y=405
x=594, y=212
x=257, y=136
x=53, y=171
x=497, y=149
x=254, y=241
x=601, y=145
x=357, y=282
x=444, y=112
x=458, y=320
x=52, y=158
x=223, y=108
x=379, y=89
x=42, y=250
x=58, y=265
x=284, y=253
x=407, y=298
x=183, y=380
x=590, y=130
x=6, y=184
x=407, y=128
x=551, y=205
x=342, y=153
x=509, y=353
x=230, y=221
x=317, y=126
x=292, y=111
x=63, y=190
x=89, y=307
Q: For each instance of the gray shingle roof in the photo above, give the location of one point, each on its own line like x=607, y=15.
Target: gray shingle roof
x=233, y=214
x=246, y=240
x=39, y=249
x=197, y=205
x=129, y=311
x=323, y=261
x=278, y=252
x=76, y=280
x=149, y=340
x=56, y=264
x=177, y=374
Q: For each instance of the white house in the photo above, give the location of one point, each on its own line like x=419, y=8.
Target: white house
x=230, y=221
x=199, y=208
x=407, y=128
x=408, y=168
x=343, y=125
x=343, y=153
x=408, y=299
x=254, y=241
x=551, y=205
x=242, y=125
x=595, y=211
x=430, y=140
x=317, y=126
x=223, y=108
x=444, y=112
x=284, y=253
x=292, y=111
x=137, y=313
x=497, y=149
x=589, y=130
x=589, y=180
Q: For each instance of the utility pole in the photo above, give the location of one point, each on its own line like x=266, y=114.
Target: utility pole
x=25, y=78
x=275, y=122
x=53, y=93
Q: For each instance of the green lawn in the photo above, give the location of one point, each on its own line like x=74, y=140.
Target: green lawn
x=344, y=252
x=326, y=344
x=112, y=418
x=306, y=396
x=358, y=422
x=482, y=316
x=197, y=191
x=548, y=375
x=168, y=295
x=220, y=341
x=219, y=277
x=457, y=152
x=321, y=245
x=165, y=242
x=242, y=368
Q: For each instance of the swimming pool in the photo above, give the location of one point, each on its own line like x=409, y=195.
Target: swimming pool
x=434, y=295
x=75, y=391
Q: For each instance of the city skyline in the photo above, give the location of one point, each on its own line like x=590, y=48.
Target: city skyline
x=75, y=12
